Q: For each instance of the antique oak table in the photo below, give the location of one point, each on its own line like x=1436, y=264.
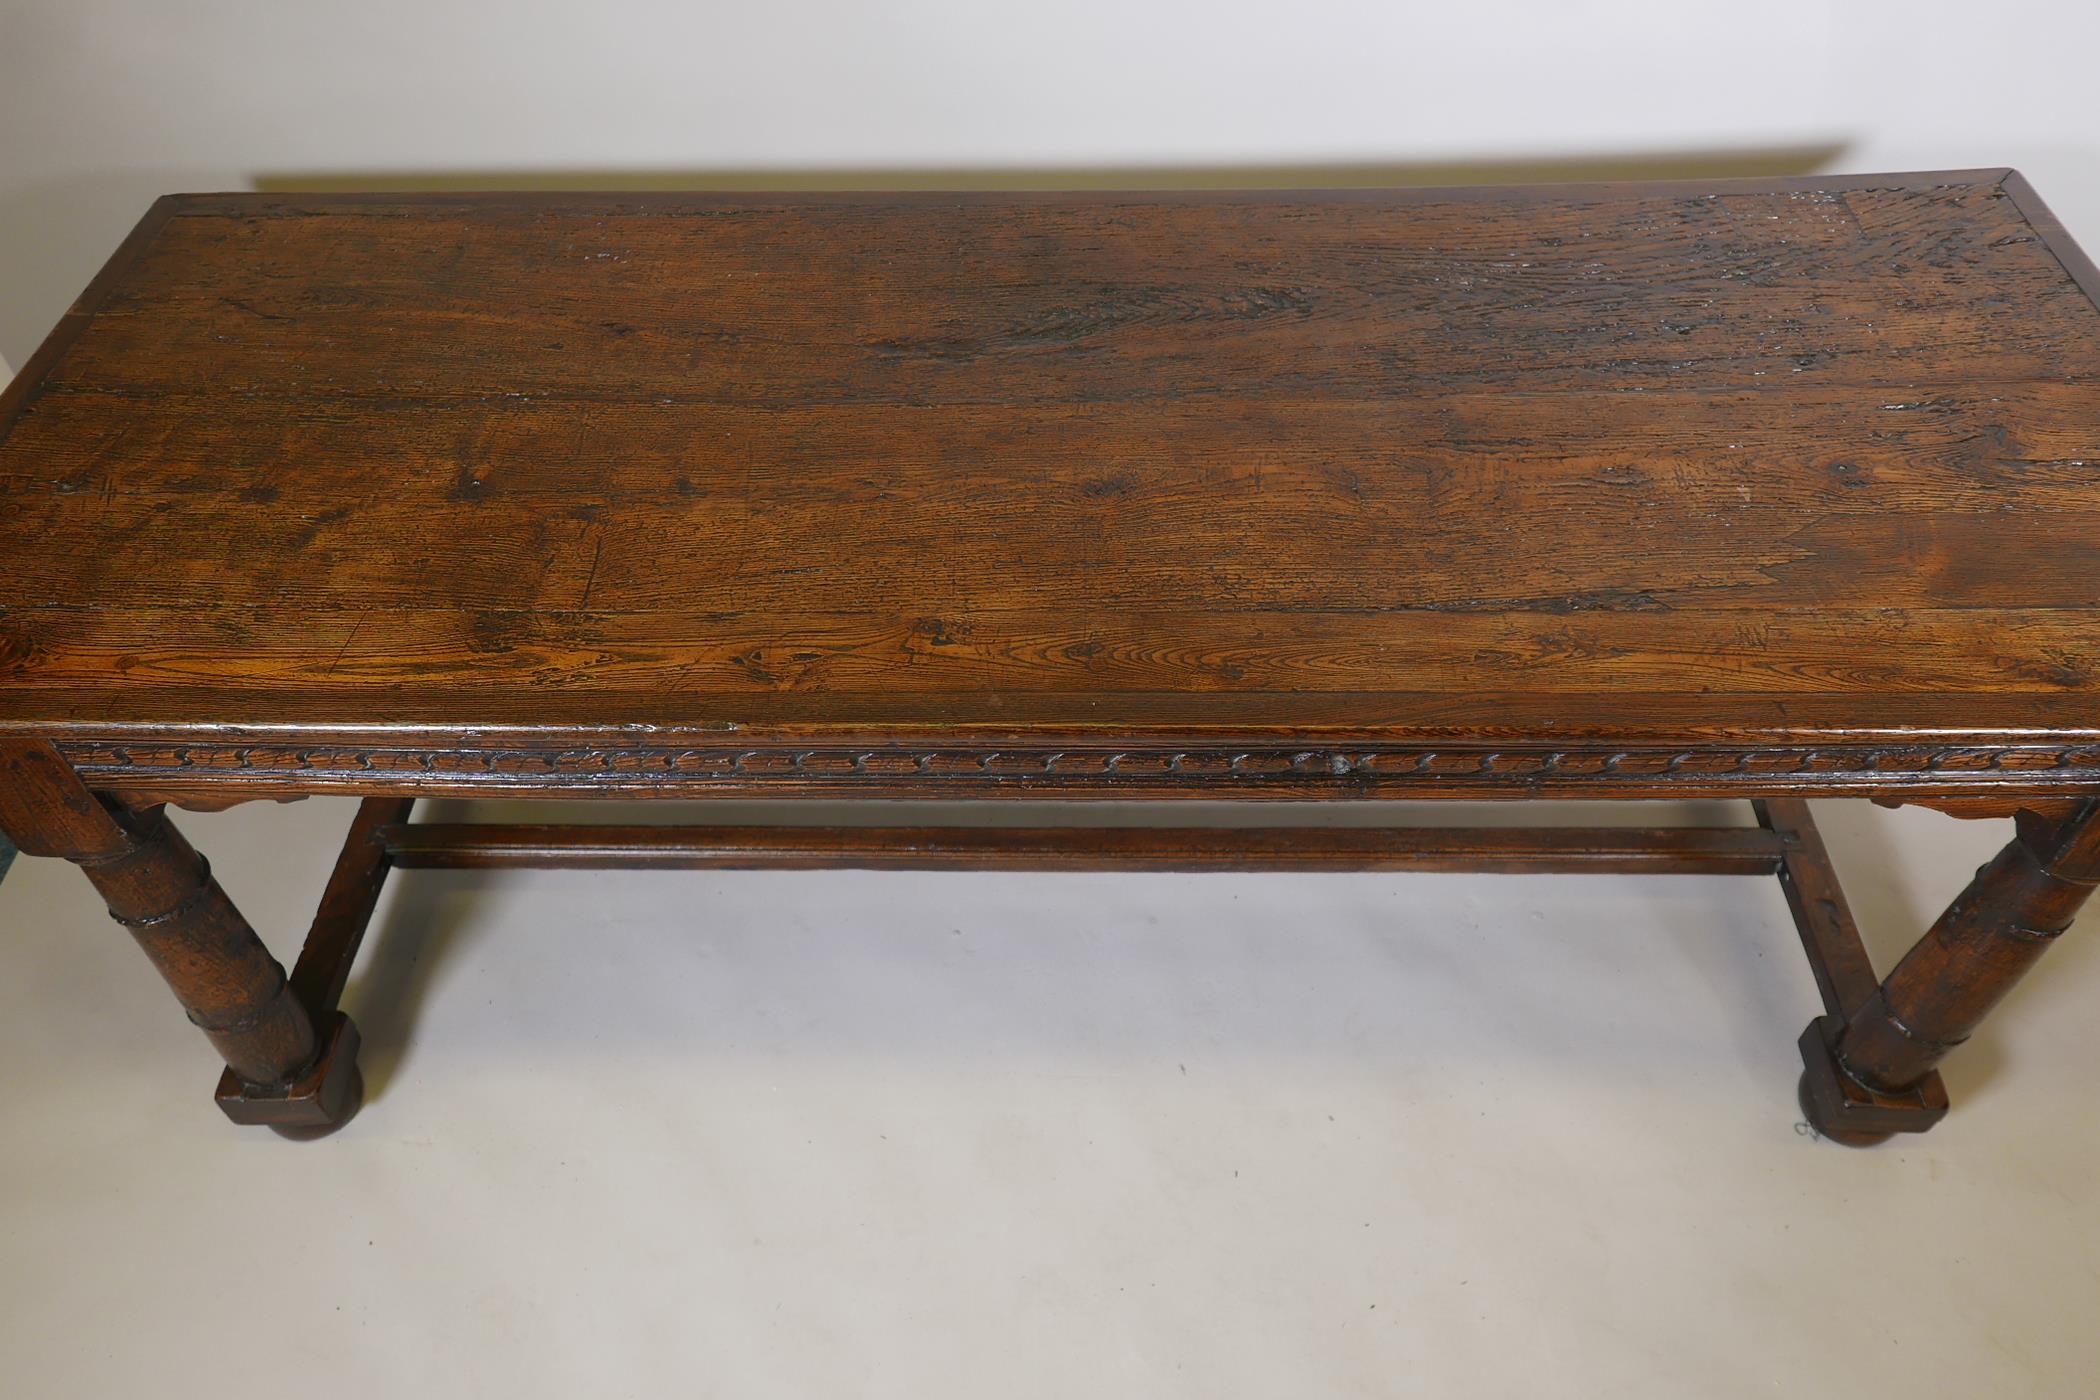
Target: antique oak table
x=1763, y=490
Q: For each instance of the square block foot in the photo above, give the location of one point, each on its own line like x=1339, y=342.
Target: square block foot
x=1844, y=1110
x=322, y=1099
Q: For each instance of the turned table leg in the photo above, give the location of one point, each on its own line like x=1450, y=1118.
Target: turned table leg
x=162, y=891
x=1870, y=1073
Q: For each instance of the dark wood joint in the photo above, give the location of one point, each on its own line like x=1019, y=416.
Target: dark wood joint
x=1846, y=1111
x=1886, y=1049
x=320, y=1099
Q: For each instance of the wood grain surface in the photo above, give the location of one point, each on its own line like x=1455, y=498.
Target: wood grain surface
x=1730, y=465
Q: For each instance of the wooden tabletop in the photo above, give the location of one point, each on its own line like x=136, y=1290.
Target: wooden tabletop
x=1744, y=461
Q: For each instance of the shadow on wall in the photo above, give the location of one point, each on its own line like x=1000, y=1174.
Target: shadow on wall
x=54, y=234
x=1689, y=165
x=7, y=850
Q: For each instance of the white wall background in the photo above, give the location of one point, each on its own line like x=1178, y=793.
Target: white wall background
x=106, y=103
x=844, y=1135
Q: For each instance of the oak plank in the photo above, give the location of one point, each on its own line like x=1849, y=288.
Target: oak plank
x=1807, y=457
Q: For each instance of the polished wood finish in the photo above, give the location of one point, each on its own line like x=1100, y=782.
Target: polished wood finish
x=330, y=1093
x=1870, y=1063
x=1655, y=851
x=1843, y=971
x=347, y=904
x=983, y=494
x=1986, y=809
x=2011, y=913
x=1754, y=489
x=163, y=893
x=313, y=1102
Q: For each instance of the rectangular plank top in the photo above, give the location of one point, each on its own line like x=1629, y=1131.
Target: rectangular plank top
x=1746, y=461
